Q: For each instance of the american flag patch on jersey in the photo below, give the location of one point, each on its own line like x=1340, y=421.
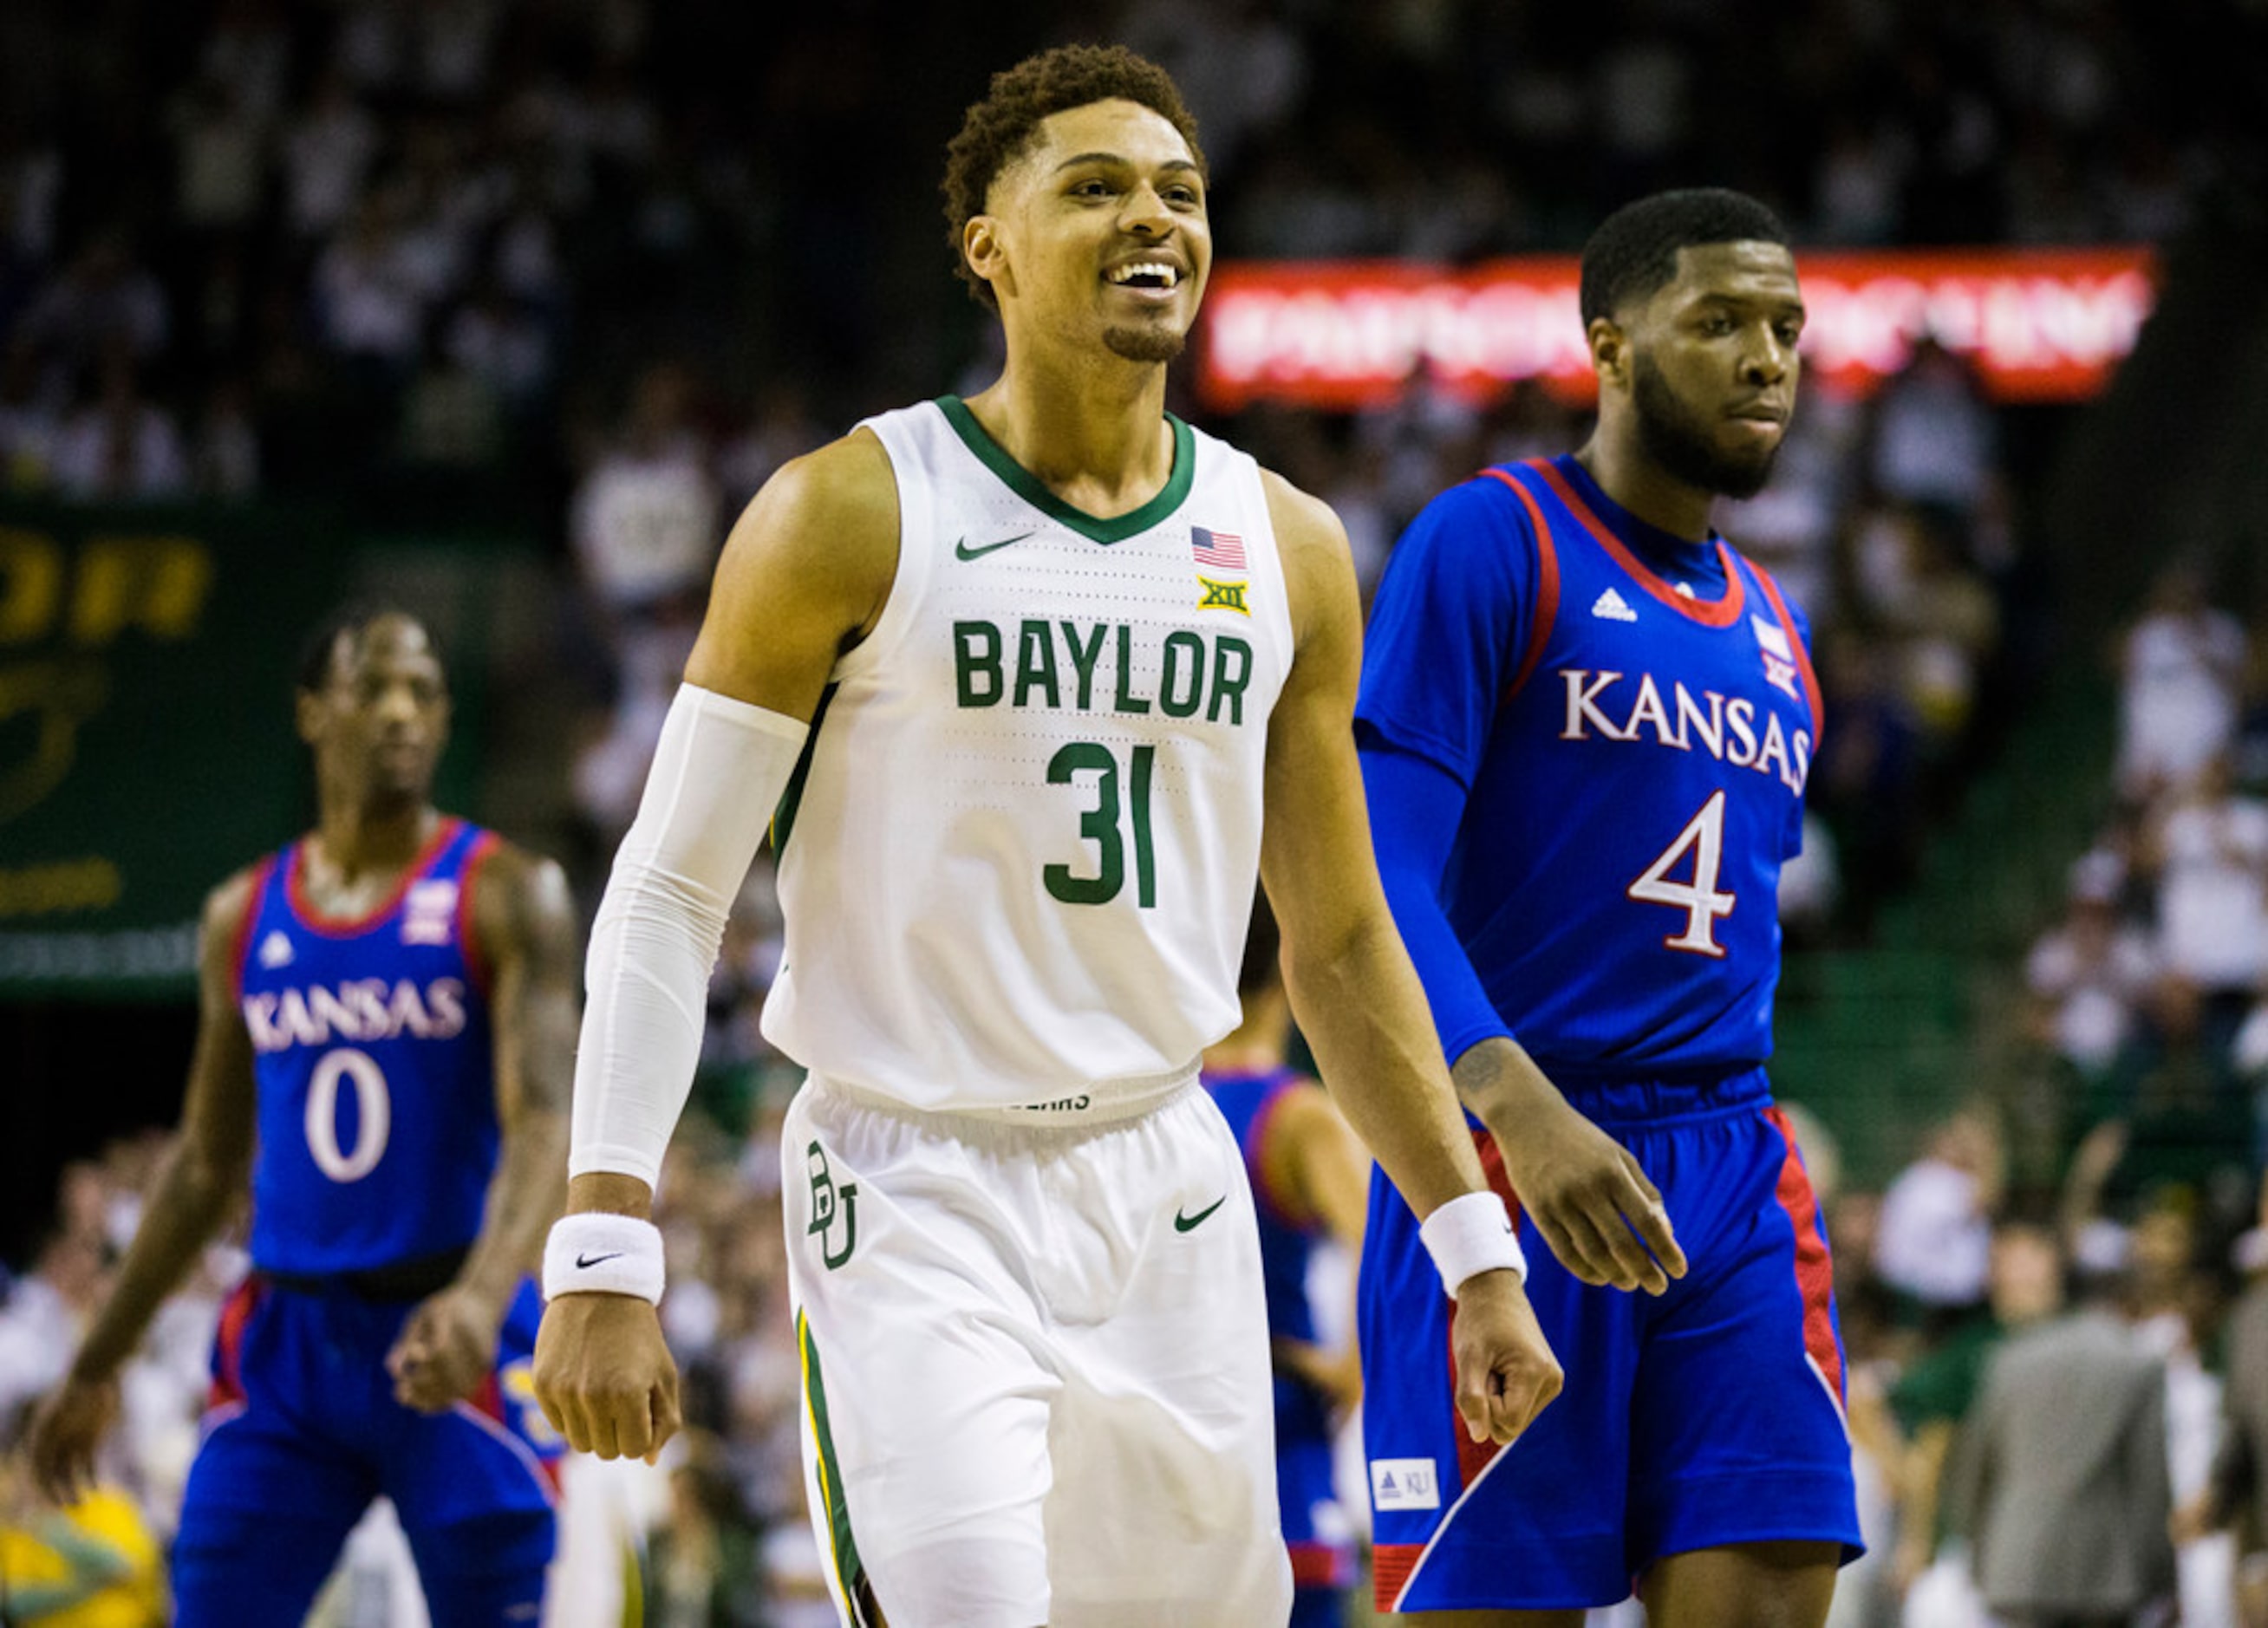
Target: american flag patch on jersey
x=1220, y=549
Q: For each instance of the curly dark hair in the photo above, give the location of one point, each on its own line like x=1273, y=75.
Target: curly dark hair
x=1634, y=251
x=1000, y=129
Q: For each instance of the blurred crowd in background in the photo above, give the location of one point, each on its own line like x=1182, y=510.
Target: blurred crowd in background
x=422, y=246
x=590, y=270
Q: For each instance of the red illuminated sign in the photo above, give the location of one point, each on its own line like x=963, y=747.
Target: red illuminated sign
x=2039, y=325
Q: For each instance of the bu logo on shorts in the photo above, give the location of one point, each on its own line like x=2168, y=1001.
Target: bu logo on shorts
x=824, y=1207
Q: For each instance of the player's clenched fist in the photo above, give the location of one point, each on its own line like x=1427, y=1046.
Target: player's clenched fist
x=445, y=1351
x=605, y=1376
x=1505, y=1371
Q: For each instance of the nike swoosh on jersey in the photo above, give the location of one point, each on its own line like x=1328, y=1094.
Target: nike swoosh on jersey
x=1185, y=1223
x=963, y=551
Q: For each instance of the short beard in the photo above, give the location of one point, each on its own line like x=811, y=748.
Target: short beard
x=1675, y=438
x=1144, y=344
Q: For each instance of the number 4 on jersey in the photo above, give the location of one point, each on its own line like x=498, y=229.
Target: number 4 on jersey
x=1705, y=836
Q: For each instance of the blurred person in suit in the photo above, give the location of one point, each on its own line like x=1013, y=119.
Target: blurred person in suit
x=2065, y=1487
x=2236, y=1495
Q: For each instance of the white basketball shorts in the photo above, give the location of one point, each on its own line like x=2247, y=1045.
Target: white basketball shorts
x=1035, y=1367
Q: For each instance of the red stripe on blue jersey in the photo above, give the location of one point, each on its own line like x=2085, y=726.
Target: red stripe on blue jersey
x=477, y=964
x=261, y=872
x=1717, y=612
x=236, y=1316
x=304, y=913
x=1814, y=1272
x=1321, y=1566
x=1390, y=1566
x=488, y=1402
x=1547, y=586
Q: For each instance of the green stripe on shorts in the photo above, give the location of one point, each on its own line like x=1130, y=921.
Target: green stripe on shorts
x=848, y=1571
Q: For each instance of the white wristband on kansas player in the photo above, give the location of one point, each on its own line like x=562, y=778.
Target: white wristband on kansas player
x=1469, y=1235
x=594, y=1253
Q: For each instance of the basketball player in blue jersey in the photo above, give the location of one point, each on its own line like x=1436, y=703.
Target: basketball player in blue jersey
x=1310, y=1179
x=1586, y=724
x=387, y=1021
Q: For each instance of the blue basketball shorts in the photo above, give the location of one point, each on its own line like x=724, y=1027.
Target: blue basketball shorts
x=1708, y=1417
x=303, y=1431
x=1316, y=1530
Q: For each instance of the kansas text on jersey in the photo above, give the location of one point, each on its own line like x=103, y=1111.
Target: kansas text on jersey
x=377, y=1126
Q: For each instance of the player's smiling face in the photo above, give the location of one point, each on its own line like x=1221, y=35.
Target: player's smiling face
x=1713, y=364
x=380, y=722
x=1098, y=234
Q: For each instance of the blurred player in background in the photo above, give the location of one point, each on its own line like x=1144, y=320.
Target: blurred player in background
x=1585, y=725
x=1026, y=668
x=1310, y=1184
x=384, y=1051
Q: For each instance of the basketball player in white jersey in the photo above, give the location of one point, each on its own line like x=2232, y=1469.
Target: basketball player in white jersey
x=1019, y=675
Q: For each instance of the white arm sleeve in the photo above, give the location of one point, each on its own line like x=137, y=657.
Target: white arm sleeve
x=717, y=775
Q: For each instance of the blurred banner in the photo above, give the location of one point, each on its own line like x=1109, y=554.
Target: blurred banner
x=2039, y=325
x=147, y=742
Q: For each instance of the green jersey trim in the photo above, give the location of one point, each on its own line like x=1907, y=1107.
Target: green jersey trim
x=1027, y=486
x=782, y=823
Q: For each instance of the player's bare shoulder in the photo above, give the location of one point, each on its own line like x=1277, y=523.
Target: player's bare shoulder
x=1304, y=522
x=804, y=578
x=521, y=901
x=227, y=913
x=223, y=930
x=830, y=517
x=1318, y=569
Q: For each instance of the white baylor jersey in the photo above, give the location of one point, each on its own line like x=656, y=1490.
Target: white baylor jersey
x=1018, y=864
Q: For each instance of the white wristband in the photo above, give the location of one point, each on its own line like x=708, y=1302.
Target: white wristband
x=592, y=1252
x=1469, y=1235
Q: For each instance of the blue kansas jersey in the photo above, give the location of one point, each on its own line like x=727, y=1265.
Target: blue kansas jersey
x=1634, y=752
x=376, y=1139
x=377, y=1104
x=1587, y=741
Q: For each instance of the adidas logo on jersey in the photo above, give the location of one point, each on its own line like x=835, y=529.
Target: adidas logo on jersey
x=1613, y=608
x=276, y=949
x=1403, y=1483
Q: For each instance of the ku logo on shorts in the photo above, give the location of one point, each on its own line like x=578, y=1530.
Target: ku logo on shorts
x=828, y=1202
